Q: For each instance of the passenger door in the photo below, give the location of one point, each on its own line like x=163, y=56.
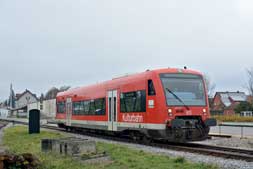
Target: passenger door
x=68, y=111
x=112, y=110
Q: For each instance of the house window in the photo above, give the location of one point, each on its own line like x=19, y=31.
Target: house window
x=133, y=101
x=41, y=106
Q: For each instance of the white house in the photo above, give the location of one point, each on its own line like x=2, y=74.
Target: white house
x=22, y=101
x=25, y=98
x=46, y=107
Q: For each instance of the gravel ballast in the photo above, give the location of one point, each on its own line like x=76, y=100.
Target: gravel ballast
x=220, y=162
x=234, y=142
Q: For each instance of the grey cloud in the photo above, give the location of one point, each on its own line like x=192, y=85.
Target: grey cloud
x=51, y=43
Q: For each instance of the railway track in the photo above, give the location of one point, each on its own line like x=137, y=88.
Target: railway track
x=220, y=135
x=217, y=151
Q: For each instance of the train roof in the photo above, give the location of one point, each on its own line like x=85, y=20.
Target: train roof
x=126, y=78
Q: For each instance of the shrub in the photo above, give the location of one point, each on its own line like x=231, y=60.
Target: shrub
x=233, y=118
x=179, y=160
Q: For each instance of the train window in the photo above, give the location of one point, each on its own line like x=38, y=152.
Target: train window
x=151, y=88
x=92, y=108
x=76, y=108
x=189, y=88
x=81, y=108
x=100, y=106
x=133, y=101
x=110, y=109
x=60, y=107
x=86, y=107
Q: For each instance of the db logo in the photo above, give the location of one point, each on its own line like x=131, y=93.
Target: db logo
x=132, y=118
x=188, y=112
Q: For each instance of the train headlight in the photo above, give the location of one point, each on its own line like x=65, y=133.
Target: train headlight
x=204, y=111
x=170, y=112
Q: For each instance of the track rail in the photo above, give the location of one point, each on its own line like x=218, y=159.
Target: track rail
x=220, y=135
x=217, y=151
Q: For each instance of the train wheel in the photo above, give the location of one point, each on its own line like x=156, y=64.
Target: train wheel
x=68, y=129
x=134, y=136
x=145, y=140
x=60, y=125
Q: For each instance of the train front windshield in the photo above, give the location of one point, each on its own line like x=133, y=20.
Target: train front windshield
x=183, y=89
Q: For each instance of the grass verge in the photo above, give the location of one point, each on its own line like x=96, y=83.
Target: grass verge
x=19, y=141
x=233, y=118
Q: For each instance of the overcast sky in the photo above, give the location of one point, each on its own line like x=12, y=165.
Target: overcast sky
x=47, y=43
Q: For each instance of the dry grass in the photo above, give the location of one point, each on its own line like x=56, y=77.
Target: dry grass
x=233, y=118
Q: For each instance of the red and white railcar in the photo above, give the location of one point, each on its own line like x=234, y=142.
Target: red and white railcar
x=169, y=104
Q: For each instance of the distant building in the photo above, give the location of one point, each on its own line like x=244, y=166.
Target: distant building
x=25, y=98
x=4, y=104
x=246, y=113
x=4, y=113
x=1, y=104
x=250, y=99
x=21, y=103
x=224, y=103
x=46, y=107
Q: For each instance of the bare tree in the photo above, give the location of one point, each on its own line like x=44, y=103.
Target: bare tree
x=52, y=93
x=209, y=85
x=64, y=88
x=42, y=97
x=249, y=84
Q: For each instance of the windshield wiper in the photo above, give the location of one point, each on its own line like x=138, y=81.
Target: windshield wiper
x=178, y=98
